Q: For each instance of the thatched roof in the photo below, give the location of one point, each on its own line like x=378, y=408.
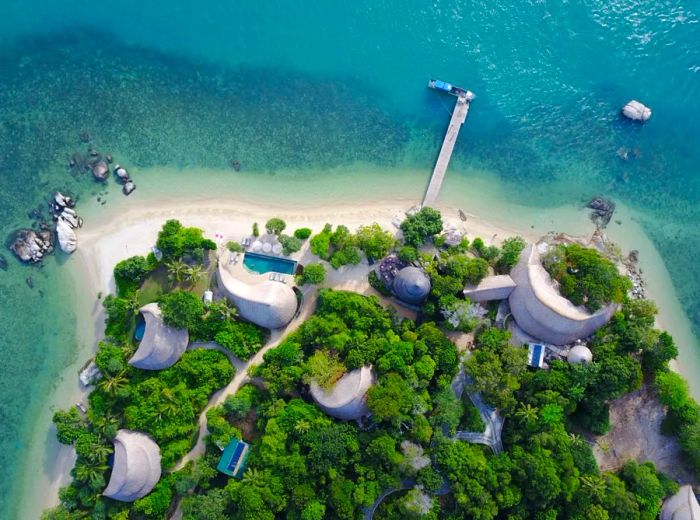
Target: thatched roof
x=346, y=400
x=490, y=288
x=136, y=468
x=269, y=304
x=681, y=506
x=161, y=345
x=579, y=354
x=411, y=285
x=542, y=312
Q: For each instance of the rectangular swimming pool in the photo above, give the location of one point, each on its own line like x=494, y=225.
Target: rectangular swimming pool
x=262, y=264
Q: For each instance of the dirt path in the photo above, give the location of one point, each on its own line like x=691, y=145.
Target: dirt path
x=307, y=308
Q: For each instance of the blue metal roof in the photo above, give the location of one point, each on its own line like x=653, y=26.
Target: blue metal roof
x=233, y=459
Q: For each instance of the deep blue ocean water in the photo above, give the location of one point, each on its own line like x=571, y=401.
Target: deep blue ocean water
x=292, y=84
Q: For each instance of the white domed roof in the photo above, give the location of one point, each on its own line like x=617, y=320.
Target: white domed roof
x=136, y=468
x=579, y=354
x=268, y=304
x=346, y=400
x=161, y=345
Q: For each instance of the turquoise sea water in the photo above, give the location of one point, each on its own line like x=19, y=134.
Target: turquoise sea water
x=294, y=85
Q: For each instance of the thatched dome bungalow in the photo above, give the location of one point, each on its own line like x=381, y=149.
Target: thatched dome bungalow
x=136, y=468
x=268, y=304
x=681, y=506
x=346, y=400
x=411, y=285
x=161, y=345
x=542, y=312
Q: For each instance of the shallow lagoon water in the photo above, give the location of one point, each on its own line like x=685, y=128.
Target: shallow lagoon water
x=311, y=91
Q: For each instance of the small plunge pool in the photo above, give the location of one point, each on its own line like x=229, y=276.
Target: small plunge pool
x=262, y=264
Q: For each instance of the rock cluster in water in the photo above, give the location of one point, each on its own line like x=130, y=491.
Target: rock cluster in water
x=603, y=210
x=123, y=177
x=32, y=245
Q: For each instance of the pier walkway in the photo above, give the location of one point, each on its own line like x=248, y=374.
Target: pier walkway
x=459, y=115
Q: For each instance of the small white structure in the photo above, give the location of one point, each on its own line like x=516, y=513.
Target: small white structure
x=346, y=400
x=208, y=297
x=579, y=354
x=136, y=468
x=681, y=506
x=636, y=111
x=162, y=345
x=490, y=288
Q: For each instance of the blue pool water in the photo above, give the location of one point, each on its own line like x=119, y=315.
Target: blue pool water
x=268, y=264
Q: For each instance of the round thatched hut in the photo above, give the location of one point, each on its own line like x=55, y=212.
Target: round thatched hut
x=346, y=400
x=411, y=285
x=162, y=345
x=136, y=468
x=541, y=312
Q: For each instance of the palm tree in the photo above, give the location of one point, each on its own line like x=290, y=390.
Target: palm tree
x=170, y=405
x=224, y=310
x=302, y=426
x=595, y=484
x=112, y=385
x=99, y=452
x=195, y=273
x=106, y=425
x=254, y=478
x=526, y=413
x=90, y=472
x=176, y=270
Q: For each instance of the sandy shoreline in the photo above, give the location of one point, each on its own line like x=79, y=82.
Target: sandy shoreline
x=130, y=227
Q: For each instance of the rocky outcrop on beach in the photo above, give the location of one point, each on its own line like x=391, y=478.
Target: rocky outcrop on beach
x=123, y=177
x=602, y=210
x=32, y=246
x=67, y=221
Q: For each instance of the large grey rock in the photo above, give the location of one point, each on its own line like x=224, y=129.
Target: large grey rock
x=128, y=187
x=121, y=173
x=636, y=111
x=30, y=245
x=100, y=170
x=67, y=238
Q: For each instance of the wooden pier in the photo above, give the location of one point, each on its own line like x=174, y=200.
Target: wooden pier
x=459, y=115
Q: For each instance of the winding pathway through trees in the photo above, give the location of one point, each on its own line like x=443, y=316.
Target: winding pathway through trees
x=242, y=368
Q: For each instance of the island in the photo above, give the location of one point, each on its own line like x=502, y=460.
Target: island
x=414, y=372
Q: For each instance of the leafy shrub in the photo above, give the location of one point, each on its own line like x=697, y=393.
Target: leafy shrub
x=176, y=241
x=421, y=226
x=302, y=233
x=289, y=244
x=181, y=309
x=275, y=226
x=374, y=241
x=129, y=273
x=376, y=282
x=313, y=274
x=408, y=254
x=234, y=247
x=586, y=277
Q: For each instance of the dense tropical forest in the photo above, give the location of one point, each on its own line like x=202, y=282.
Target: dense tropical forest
x=306, y=465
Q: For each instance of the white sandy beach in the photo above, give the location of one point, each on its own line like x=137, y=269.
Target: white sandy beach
x=129, y=226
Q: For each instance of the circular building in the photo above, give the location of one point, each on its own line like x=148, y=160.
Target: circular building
x=543, y=313
x=411, y=285
x=346, y=400
x=136, y=468
x=579, y=354
x=161, y=345
x=681, y=506
x=269, y=304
